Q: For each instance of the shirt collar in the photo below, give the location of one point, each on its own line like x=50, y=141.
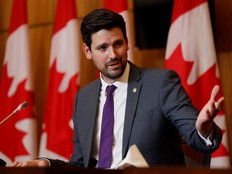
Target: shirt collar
x=121, y=82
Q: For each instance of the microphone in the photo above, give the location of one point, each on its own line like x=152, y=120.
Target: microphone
x=19, y=108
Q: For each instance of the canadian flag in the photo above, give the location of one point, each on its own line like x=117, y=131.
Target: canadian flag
x=191, y=52
x=18, y=133
x=121, y=7
x=57, y=134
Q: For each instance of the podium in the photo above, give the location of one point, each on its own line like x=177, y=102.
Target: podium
x=76, y=170
x=56, y=170
x=176, y=170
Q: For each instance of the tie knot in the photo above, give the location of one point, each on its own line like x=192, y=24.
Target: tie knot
x=110, y=90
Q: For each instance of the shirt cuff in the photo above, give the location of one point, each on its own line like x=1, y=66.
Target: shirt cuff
x=207, y=140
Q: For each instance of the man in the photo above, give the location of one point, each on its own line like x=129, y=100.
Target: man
x=151, y=108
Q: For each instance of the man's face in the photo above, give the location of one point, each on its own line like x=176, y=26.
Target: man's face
x=108, y=52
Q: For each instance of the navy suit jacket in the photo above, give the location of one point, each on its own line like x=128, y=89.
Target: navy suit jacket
x=158, y=113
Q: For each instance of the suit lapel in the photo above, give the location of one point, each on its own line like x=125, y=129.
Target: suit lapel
x=134, y=87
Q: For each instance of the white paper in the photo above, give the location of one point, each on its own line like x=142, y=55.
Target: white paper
x=133, y=158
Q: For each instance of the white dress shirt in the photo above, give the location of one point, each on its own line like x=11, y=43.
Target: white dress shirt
x=120, y=96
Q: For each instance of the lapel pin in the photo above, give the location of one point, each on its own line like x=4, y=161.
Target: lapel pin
x=134, y=90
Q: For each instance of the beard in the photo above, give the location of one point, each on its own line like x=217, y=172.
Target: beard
x=114, y=68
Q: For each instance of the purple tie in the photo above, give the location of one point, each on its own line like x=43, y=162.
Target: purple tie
x=107, y=128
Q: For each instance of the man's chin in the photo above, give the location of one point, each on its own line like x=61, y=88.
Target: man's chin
x=115, y=74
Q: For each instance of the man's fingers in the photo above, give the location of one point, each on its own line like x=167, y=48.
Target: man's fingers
x=21, y=164
x=219, y=103
x=214, y=92
x=16, y=164
x=216, y=106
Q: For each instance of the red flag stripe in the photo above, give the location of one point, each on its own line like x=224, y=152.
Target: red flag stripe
x=190, y=51
x=66, y=10
x=18, y=15
x=62, y=86
x=116, y=5
x=182, y=6
x=15, y=87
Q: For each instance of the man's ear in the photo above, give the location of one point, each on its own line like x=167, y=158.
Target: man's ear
x=87, y=51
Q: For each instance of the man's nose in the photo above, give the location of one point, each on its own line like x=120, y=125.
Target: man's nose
x=113, y=53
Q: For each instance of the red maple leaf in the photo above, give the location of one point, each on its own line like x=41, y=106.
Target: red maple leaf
x=199, y=91
x=176, y=62
x=11, y=138
x=58, y=113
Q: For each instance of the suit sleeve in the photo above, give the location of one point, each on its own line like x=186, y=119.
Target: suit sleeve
x=77, y=157
x=178, y=109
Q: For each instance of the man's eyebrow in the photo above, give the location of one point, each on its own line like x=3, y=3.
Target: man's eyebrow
x=119, y=41
x=101, y=45
x=105, y=44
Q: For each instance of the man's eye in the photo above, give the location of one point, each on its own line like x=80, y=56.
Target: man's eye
x=102, y=48
x=118, y=44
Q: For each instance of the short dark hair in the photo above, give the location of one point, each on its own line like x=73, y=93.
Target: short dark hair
x=101, y=19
